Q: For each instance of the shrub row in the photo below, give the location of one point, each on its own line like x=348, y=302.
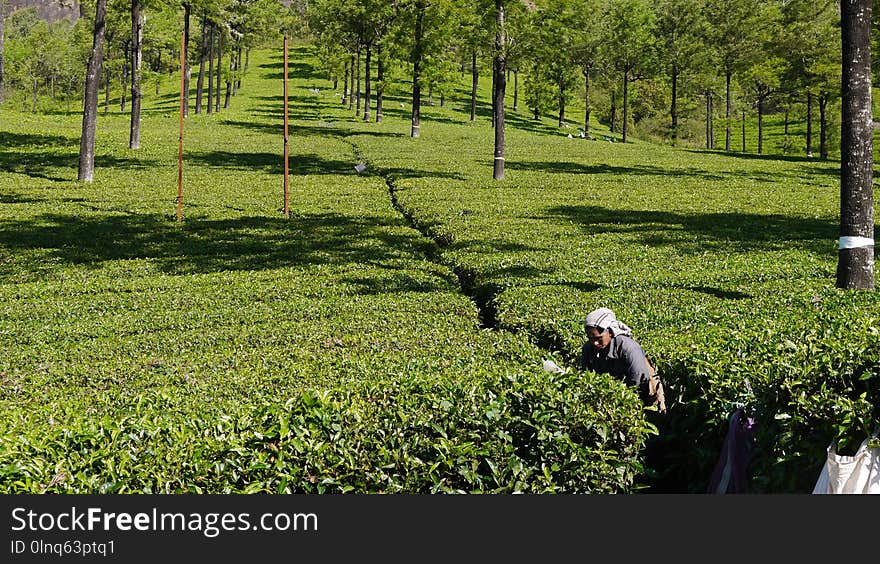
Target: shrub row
x=519, y=433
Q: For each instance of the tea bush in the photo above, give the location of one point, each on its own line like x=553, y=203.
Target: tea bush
x=723, y=264
x=243, y=351
x=335, y=351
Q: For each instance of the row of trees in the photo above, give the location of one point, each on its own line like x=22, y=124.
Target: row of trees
x=771, y=53
x=766, y=51
x=643, y=62
x=751, y=55
x=120, y=44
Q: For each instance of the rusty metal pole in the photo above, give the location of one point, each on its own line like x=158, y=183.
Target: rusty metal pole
x=286, y=167
x=180, y=136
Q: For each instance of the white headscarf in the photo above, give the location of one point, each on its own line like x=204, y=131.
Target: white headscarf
x=604, y=318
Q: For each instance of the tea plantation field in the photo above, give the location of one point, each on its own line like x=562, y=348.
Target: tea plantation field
x=388, y=336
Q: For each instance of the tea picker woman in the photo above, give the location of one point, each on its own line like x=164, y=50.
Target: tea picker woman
x=611, y=349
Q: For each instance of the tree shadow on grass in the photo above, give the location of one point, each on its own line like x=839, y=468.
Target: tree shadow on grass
x=556, y=167
x=394, y=174
x=18, y=141
x=295, y=71
x=391, y=280
x=19, y=199
x=44, y=164
x=717, y=292
x=719, y=231
x=757, y=157
x=272, y=163
x=200, y=246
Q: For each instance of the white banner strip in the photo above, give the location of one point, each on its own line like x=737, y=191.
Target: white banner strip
x=855, y=242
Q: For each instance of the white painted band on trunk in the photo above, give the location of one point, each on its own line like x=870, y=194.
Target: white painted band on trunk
x=499, y=158
x=855, y=242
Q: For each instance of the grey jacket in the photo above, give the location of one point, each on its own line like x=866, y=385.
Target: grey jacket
x=623, y=358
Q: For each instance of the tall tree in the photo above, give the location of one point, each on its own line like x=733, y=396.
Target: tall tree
x=761, y=81
x=203, y=54
x=629, y=45
x=138, y=19
x=810, y=44
x=737, y=29
x=681, y=30
x=500, y=66
x=476, y=22
x=418, y=53
x=86, y=170
x=586, y=44
x=855, y=262
x=219, y=68
x=2, y=36
x=187, y=12
x=552, y=44
x=210, y=77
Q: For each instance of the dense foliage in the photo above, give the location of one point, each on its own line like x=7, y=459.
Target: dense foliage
x=334, y=351
x=242, y=351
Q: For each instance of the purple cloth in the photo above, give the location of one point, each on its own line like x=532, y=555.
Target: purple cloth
x=731, y=471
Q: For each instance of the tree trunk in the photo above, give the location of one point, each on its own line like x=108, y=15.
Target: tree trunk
x=515, y=88
x=498, y=93
x=351, y=90
x=187, y=12
x=211, y=71
x=673, y=110
x=475, y=78
x=417, y=72
x=238, y=73
x=357, y=94
x=823, y=126
x=727, y=115
x=90, y=97
x=587, y=109
x=561, y=120
x=203, y=53
x=494, y=77
x=2, y=33
x=712, y=120
x=380, y=76
x=624, y=128
x=809, y=124
x=855, y=265
x=613, y=111
x=219, y=69
x=106, y=93
x=708, y=120
x=345, y=85
x=744, y=132
x=229, y=79
x=760, y=126
x=137, y=50
x=122, y=99
x=367, y=82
